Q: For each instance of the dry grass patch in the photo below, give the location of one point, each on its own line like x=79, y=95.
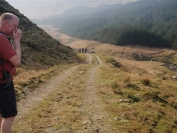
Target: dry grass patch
x=141, y=100
x=135, y=52
x=82, y=56
x=106, y=90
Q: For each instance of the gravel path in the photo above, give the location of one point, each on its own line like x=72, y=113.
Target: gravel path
x=35, y=97
x=97, y=119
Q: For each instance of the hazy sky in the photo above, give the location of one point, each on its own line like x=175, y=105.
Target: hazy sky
x=44, y=8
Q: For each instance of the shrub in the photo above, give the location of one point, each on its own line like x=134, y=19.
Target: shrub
x=146, y=81
x=116, y=88
x=133, y=98
x=114, y=85
x=133, y=86
x=114, y=62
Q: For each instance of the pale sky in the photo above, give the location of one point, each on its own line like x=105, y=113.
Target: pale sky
x=44, y=8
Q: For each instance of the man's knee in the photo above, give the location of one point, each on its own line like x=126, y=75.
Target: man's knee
x=10, y=119
x=0, y=119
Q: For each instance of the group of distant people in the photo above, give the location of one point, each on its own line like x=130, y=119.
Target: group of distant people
x=82, y=50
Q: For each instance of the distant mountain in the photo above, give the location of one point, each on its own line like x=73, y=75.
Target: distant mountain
x=40, y=9
x=38, y=48
x=75, y=13
x=146, y=22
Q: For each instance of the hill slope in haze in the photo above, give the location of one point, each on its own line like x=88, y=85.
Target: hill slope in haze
x=146, y=22
x=44, y=8
x=38, y=48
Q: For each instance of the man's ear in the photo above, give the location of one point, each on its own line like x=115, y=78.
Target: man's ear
x=5, y=23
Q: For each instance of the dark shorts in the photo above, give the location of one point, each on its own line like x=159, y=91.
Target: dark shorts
x=8, y=106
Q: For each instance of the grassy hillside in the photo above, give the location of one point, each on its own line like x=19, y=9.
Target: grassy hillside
x=39, y=50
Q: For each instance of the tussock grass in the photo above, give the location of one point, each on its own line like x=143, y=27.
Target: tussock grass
x=145, y=81
x=113, y=62
x=143, y=95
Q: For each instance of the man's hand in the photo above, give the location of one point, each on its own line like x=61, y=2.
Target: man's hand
x=17, y=34
x=16, y=59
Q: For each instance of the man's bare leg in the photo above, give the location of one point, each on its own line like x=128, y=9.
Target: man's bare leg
x=6, y=124
x=0, y=119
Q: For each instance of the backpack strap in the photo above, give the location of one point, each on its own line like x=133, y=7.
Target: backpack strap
x=5, y=35
x=8, y=81
x=2, y=72
x=6, y=76
x=2, y=60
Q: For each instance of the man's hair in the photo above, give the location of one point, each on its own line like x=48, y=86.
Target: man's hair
x=7, y=16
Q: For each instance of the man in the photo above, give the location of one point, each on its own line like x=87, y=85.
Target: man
x=10, y=57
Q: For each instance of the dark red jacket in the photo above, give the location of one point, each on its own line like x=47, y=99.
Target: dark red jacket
x=6, y=52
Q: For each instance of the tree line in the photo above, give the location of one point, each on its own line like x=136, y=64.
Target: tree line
x=146, y=22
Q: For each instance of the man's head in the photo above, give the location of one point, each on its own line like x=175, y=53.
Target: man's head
x=8, y=23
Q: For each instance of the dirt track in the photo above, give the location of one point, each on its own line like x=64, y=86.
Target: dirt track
x=96, y=119
x=33, y=98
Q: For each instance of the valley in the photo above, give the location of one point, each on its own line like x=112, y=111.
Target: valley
x=116, y=89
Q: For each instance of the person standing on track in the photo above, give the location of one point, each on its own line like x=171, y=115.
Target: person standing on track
x=10, y=57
